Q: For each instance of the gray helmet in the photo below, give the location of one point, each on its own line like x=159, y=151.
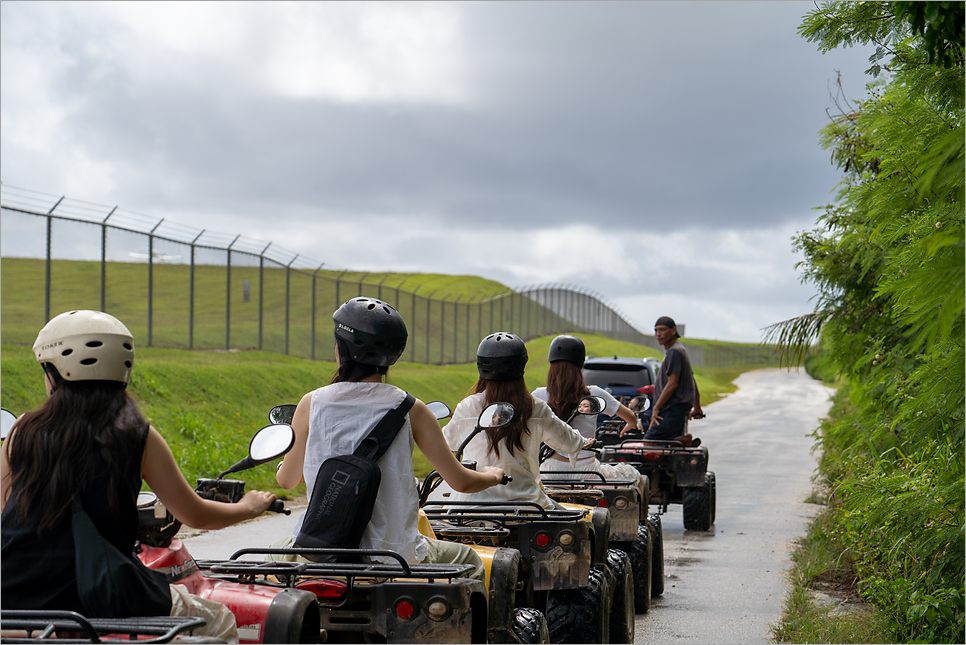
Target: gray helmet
x=567, y=348
x=87, y=345
x=501, y=357
x=373, y=331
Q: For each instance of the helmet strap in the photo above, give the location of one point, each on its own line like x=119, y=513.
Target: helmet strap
x=55, y=378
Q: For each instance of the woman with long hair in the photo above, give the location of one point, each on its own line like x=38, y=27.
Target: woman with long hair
x=333, y=420
x=564, y=391
x=515, y=447
x=88, y=444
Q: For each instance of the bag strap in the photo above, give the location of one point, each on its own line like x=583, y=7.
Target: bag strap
x=378, y=440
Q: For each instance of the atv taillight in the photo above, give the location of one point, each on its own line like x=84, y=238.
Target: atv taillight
x=652, y=455
x=602, y=503
x=542, y=540
x=646, y=389
x=405, y=609
x=324, y=588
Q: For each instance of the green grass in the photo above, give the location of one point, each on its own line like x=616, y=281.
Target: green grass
x=821, y=564
x=207, y=405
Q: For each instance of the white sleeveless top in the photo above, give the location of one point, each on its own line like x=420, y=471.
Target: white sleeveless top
x=340, y=417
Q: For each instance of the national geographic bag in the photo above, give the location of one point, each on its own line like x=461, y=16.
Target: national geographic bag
x=346, y=486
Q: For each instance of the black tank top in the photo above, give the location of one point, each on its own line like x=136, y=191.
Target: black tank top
x=37, y=569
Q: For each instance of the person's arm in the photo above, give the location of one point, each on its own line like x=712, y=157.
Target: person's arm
x=161, y=472
x=628, y=415
x=697, y=412
x=672, y=384
x=429, y=438
x=289, y=473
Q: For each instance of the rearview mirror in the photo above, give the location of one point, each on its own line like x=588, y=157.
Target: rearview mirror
x=439, y=409
x=7, y=419
x=282, y=413
x=271, y=442
x=591, y=405
x=496, y=415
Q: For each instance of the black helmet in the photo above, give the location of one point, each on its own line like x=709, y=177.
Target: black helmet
x=501, y=357
x=373, y=331
x=567, y=348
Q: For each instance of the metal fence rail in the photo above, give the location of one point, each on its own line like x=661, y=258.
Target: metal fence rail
x=179, y=287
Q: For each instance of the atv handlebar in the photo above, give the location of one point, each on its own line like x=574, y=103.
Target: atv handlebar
x=278, y=506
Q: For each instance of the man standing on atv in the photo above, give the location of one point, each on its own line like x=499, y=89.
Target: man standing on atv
x=676, y=392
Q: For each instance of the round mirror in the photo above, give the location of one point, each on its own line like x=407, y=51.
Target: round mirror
x=591, y=405
x=7, y=419
x=646, y=404
x=496, y=415
x=282, y=413
x=439, y=409
x=271, y=442
x=146, y=499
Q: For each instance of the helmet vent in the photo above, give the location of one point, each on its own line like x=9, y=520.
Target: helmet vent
x=67, y=352
x=371, y=306
x=127, y=364
x=128, y=346
x=88, y=361
x=94, y=343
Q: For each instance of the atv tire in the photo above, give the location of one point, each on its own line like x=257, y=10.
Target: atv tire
x=622, y=610
x=699, y=505
x=657, y=554
x=580, y=615
x=530, y=626
x=640, y=554
x=714, y=496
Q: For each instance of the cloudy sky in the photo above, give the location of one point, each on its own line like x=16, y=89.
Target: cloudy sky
x=662, y=154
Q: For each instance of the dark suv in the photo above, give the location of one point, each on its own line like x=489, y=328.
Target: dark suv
x=623, y=377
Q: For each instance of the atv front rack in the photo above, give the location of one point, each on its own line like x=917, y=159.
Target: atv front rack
x=42, y=626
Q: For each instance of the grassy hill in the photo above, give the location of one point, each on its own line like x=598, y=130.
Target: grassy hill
x=207, y=405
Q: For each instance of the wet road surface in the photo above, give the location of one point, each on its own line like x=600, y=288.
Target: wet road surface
x=725, y=585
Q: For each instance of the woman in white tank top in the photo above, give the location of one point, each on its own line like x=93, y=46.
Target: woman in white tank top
x=333, y=420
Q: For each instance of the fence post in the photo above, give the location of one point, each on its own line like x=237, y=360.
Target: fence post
x=360, y=281
x=191, y=295
x=380, y=286
x=397, y=298
x=314, y=275
x=151, y=283
x=104, y=259
x=338, y=285
x=442, y=329
x=412, y=350
x=228, y=295
x=261, y=293
x=429, y=301
x=288, y=280
x=456, y=326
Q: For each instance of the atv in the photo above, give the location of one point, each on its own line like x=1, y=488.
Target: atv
x=553, y=562
x=676, y=474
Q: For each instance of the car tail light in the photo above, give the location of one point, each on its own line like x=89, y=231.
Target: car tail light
x=646, y=389
x=324, y=588
x=602, y=503
x=405, y=609
x=542, y=540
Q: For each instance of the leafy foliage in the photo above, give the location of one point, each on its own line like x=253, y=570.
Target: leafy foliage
x=888, y=260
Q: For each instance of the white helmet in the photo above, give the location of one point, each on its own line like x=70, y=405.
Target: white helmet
x=87, y=346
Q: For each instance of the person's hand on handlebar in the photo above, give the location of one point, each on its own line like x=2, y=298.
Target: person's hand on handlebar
x=631, y=428
x=497, y=473
x=257, y=502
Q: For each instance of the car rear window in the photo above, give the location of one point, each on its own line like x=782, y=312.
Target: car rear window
x=616, y=375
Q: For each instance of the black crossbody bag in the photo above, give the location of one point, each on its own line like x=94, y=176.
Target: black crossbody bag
x=346, y=486
x=112, y=584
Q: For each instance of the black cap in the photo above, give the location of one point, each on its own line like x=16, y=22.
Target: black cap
x=667, y=321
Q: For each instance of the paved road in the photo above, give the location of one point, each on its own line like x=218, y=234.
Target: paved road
x=725, y=585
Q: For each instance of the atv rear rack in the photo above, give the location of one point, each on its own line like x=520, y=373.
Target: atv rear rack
x=345, y=569
x=503, y=513
x=71, y=627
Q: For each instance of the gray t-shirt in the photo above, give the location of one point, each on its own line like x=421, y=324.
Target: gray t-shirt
x=676, y=361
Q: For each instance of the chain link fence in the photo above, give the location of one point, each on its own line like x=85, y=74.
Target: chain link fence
x=179, y=287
